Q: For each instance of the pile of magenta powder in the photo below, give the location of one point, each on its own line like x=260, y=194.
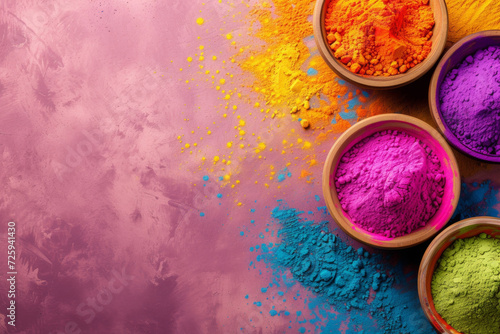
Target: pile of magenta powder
x=390, y=183
x=469, y=100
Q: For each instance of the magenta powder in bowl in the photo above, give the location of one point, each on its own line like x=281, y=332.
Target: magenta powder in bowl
x=392, y=173
x=390, y=183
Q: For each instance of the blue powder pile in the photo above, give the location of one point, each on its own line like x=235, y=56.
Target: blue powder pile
x=361, y=287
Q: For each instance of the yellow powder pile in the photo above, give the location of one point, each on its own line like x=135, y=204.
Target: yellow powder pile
x=379, y=37
x=279, y=66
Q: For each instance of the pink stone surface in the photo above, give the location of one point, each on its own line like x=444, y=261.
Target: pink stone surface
x=91, y=105
x=110, y=237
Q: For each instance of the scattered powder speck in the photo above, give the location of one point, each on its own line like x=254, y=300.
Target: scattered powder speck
x=390, y=183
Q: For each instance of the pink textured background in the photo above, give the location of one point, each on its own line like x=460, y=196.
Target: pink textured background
x=106, y=209
x=90, y=108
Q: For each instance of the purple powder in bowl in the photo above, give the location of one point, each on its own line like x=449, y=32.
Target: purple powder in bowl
x=469, y=98
x=390, y=183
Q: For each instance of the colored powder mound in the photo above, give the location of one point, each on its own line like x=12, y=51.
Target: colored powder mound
x=466, y=285
x=280, y=68
x=379, y=37
x=390, y=183
x=361, y=288
x=470, y=101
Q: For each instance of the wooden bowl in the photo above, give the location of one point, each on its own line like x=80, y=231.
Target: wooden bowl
x=463, y=229
x=440, y=34
x=412, y=126
x=454, y=56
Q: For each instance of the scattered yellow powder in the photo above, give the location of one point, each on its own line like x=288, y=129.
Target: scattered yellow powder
x=278, y=68
x=312, y=162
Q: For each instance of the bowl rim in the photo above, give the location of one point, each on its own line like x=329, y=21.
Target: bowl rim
x=370, y=82
x=433, y=96
x=432, y=255
x=347, y=137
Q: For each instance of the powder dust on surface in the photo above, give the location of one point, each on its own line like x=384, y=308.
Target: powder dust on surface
x=356, y=291
x=293, y=86
x=289, y=78
x=466, y=17
x=291, y=82
x=273, y=79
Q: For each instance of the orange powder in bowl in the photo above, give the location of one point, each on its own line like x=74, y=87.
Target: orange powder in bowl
x=379, y=37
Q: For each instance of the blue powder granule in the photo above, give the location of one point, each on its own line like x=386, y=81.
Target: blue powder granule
x=345, y=278
x=283, y=174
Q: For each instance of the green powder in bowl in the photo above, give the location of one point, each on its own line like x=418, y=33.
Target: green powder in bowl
x=466, y=285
